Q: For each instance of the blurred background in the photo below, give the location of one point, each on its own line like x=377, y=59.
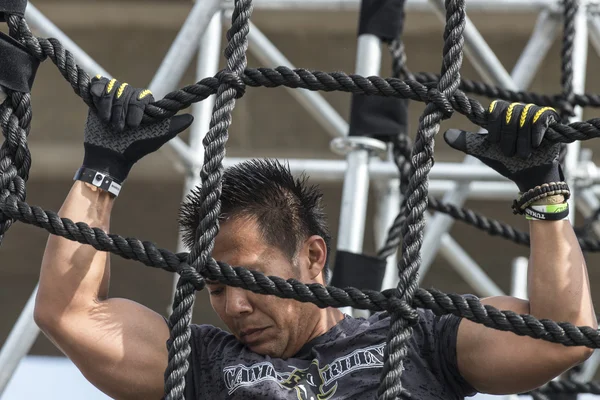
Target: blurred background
x=129, y=38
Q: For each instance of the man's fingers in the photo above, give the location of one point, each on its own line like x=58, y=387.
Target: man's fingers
x=524, y=146
x=541, y=120
x=137, y=104
x=102, y=91
x=510, y=129
x=496, y=111
x=180, y=123
x=457, y=139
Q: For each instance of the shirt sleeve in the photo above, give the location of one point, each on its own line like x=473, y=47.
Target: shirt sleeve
x=443, y=340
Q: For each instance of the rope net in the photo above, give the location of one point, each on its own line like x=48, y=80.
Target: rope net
x=443, y=94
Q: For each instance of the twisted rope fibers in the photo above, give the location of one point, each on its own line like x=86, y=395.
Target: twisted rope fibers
x=301, y=78
x=323, y=296
x=15, y=158
x=228, y=85
x=210, y=191
x=404, y=317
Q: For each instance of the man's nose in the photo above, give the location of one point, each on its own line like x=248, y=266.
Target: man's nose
x=237, y=302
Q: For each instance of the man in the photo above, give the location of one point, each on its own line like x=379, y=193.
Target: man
x=273, y=223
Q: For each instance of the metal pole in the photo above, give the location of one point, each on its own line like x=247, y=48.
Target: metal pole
x=588, y=203
x=468, y=268
x=594, y=29
x=313, y=102
x=543, y=35
x=442, y=223
x=207, y=65
x=19, y=341
x=184, y=47
x=334, y=170
x=173, y=65
x=519, y=278
x=355, y=192
x=388, y=208
x=482, y=57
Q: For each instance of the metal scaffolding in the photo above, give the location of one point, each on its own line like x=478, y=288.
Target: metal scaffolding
x=365, y=159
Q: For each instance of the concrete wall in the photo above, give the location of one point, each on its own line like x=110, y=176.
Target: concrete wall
x=130, y=38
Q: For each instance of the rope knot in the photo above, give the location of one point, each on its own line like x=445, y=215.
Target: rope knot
x=403, y=310
x=441, y=101
x=189, y=275
x=235, y=81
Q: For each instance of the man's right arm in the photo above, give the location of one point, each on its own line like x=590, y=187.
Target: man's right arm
x=118, y=345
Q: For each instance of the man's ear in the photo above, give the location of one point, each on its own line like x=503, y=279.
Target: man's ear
x=316, y=250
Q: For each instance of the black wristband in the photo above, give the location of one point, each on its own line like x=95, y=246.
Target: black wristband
x=99, y=179
x=538, y=215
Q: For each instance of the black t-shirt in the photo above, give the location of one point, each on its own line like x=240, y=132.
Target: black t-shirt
x=344, y=363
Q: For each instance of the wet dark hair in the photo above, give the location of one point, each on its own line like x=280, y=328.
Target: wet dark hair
x=288, y=210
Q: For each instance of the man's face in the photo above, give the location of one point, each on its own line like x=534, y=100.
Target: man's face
x=267, y=325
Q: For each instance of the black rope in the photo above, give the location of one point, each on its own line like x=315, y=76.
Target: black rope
x=405, y=317
x=565, y=105
x=15, y=158
x=401, y=151
x=301, y=78
x=323, y=296
x=210, y=192
x=568, y=387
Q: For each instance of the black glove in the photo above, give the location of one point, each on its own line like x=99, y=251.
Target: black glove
x=514, y=146
x=114, y=140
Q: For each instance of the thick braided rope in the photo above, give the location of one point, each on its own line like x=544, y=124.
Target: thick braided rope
x=323, y=296
x=403, y=317
x=497, y=228
x=15, y=158
x=565, y=105
x=568, y=94
x=399, y=68
x=210, y=207
x=299, y=78
x=569, y=387
x=401, y=149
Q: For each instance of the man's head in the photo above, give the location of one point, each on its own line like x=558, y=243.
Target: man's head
x=275, y=224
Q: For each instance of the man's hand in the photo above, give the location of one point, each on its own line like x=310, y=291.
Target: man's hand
x=514, y=146
x=114, y=137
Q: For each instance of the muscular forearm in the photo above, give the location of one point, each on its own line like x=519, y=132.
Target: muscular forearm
x=74, y=275
x=558, y=282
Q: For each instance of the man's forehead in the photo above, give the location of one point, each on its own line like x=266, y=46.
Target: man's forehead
x=236, y=232
x=239, y=240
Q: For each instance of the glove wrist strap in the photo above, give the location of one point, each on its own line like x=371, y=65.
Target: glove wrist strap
x=98, y=179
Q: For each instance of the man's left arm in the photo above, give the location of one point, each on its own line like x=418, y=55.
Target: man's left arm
x=499, y=362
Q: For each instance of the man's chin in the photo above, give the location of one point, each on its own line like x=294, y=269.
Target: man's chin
x=264, y=349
